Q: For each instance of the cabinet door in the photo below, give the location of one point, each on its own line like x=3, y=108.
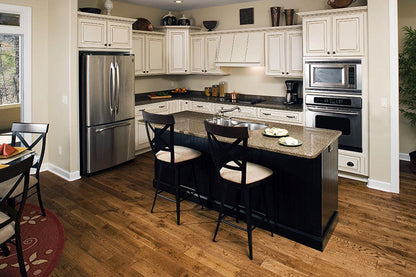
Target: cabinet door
x=197, y=55
x=178, y=51
x=226, y=48
x=294, y=58
x=211, y=52
x=92, y=33
x=348, y=35
x=119, y=35
x=155, y=54
x=139, y=54
x=317, y=32
x=275, y=53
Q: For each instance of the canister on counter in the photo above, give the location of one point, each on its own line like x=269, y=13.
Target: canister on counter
x=222, y=89
x=207, y=91
x=215, y=91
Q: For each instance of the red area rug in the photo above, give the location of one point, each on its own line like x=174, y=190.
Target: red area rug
x=43, y=240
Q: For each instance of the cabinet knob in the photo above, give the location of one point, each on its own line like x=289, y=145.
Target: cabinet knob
x=287, y=72
x=203, y=71
x=109, y=44
x=144, y=71
x=105, y=44
x=186, y=70
x=283, y=73
x=333, y=52
x=147, y=71
x=350, y=164
x=329, y=53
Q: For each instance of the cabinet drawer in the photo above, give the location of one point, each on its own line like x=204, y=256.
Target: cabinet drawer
x=201, y=107
x=159, y=108
x=349, y=163
x=282, y=116
x=245, y=112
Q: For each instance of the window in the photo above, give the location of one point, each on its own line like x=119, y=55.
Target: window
x=15, y=65
x=10, y=69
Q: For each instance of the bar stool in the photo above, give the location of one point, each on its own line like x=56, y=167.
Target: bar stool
x=167, y=154
x=232, y=168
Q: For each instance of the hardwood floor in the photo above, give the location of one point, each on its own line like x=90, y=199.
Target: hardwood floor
x=110, y=232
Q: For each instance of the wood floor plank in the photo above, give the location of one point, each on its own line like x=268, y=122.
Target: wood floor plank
x=110, y=232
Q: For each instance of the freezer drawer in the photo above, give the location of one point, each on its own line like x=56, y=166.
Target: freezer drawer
x=109, y=145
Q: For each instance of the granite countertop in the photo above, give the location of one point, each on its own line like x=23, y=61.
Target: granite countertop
x=314, y=140
x=245, y=100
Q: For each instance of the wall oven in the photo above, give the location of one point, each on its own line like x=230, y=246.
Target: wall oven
x=343, y=113
x=339, y=76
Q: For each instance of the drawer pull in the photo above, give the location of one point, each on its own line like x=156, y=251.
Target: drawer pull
x=161, y=107
x=141, y=110
x=350, y=164
x=199, y=106
x=267, y=113
x=290, y=116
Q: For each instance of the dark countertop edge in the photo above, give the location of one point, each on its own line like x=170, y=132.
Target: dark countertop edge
x=268, y=102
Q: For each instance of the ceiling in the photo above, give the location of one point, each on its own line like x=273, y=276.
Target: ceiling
x=186, y=5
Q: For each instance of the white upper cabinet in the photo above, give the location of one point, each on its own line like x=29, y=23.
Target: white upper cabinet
x=104, y=32
x=335, y=32
x=204, y=51
x=241, y=49
x=284, y=53
x=178, y=51
x=149, y=51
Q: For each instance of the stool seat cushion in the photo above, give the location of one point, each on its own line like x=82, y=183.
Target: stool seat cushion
x=181, y=154
x=7, y=231
x=255, y=173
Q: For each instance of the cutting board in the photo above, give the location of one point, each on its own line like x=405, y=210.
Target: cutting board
x=160, y=97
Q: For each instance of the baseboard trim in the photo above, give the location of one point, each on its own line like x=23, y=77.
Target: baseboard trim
x=404, y=157
x=353, y=176
x=69, y=176
x=380, y=185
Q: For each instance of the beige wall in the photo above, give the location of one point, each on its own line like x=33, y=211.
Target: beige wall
x=8, y=115
x=228, y=16
x=407, y=17
x=63, y=137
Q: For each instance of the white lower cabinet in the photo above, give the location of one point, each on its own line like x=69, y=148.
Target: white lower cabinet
x=201, y=107
x=289, y=117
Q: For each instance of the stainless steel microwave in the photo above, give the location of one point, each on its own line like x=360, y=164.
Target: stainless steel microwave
x=340, y=76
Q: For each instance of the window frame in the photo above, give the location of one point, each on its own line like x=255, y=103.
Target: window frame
x=25, y=30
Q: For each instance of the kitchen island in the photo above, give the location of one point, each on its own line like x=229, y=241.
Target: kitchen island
x=303, y=197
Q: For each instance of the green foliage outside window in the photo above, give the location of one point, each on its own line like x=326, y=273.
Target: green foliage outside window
x=9, y=69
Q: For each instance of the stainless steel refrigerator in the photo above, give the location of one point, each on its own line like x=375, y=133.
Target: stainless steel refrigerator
x=106, y=110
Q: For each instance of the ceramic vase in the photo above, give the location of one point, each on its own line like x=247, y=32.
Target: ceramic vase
x=108, y=6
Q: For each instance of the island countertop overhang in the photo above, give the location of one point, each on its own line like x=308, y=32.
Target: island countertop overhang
x=314, y=140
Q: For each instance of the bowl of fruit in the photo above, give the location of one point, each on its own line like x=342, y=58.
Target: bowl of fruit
x=179, y=91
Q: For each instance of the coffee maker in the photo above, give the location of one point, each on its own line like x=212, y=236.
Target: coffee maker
x=291, y=92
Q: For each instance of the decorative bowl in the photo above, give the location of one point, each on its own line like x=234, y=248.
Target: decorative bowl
x=90, y=10
x=340, y=3
x=142, y=24
x=210, y=25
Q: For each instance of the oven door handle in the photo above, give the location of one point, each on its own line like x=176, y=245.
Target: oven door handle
x=332, y=111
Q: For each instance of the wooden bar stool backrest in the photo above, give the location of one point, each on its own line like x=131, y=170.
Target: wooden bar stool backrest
x=223, y=152
x=159, y=142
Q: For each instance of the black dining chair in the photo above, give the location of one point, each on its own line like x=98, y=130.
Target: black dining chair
x=160, y=132
x=233, y=170
x=36, y=131
x=10, y=216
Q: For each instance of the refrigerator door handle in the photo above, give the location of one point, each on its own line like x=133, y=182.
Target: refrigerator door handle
x=111, y=90
x=112, y=127
x=117, y=88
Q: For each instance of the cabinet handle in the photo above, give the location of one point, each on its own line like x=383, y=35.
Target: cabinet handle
x=333, y=52
x=290, y=116
x=329, y=53
x=199, y=106
x=351, y=164
x=160, y=107
x=141, y=110
x=267, y=113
